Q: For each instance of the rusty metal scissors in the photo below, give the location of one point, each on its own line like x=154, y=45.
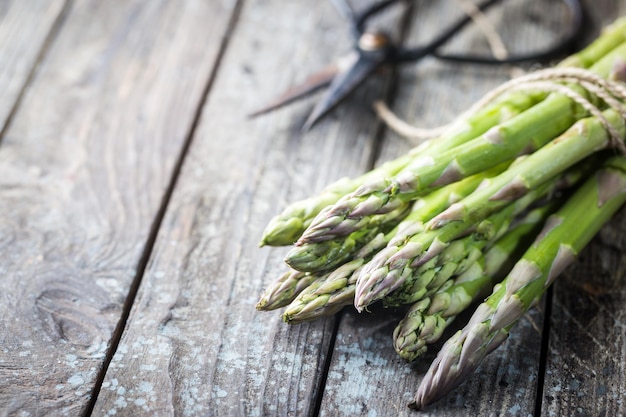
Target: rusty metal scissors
x=374, y=49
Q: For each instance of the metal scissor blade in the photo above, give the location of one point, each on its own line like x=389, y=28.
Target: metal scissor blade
x=312, y=83
x=344, y=83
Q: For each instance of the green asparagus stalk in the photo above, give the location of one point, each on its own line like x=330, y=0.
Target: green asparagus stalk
x=418, y=329
x=612, y=36
x=564, y=235
x=325, y=296
x=526, y=132
x=330, y=292
x=415, y=264
x=286, y=228
x=389, y=270
x=320, y=256
x=426, y=320
x=335, y=290
x=284, y=289
x=583, y=139
x=428, y=278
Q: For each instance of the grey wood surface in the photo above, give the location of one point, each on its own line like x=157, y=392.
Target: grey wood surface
x=210, y=351
x=83, y=170
x=25, y=27
x=585, y=362
x=134, y=190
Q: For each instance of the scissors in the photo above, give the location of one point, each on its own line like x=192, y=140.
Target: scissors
x=373, y=49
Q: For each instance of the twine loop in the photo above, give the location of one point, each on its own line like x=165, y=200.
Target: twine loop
x=558, y=80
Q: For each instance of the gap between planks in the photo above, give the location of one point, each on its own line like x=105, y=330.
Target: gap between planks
x=158, y=219
x=544, y=352
x=50, y=37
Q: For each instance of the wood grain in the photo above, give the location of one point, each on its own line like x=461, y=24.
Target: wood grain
x=585, y=374
x=367, y=377
x=83, y=170
x=194, y=344
x=25, y=25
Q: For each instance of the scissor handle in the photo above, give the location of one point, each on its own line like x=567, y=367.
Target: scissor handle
x=414, y=54
x=359, y=22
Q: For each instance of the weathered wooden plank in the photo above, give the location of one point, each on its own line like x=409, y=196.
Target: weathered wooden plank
x=83, y=170
x=194, y=344
x=367, y=377
x=24, y=28
x=585, y=371
x=365, y=374
x=586, y=361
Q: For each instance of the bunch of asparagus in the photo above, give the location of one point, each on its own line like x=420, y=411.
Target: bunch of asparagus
x=453, y=220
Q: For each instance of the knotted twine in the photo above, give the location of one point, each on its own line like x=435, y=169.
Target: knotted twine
x=556, y=80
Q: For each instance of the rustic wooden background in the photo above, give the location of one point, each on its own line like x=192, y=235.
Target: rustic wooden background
x=133, y=193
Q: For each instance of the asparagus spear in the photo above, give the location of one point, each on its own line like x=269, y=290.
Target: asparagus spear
x=526, y=132
x=418, y=329
x=284, y=289
x=325, y=296
x=330, y=292
x=286, y=227
x=413, y=264
x=320, y=256
x=612, y=36
x=429, y=277
x=426, y=320
x=390, y=269
x=564, y=235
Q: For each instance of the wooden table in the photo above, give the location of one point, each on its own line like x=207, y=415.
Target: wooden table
x=133, y=193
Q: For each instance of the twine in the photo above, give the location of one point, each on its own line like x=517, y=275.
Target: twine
x=611, y=92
